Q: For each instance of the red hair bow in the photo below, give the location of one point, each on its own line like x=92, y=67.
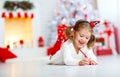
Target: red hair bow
x=93, y=23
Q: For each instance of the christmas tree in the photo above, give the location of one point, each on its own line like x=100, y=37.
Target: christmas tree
x=69, y=11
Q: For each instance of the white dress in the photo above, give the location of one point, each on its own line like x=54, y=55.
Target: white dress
x=67, y=54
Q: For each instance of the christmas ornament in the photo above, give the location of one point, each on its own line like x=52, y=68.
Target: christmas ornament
x=21, y=42
x=3, y=15
x=40, y=42
x=25, y=15
x=10, y=15
x=18, y=15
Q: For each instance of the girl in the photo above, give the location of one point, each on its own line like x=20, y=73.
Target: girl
x=77, y=50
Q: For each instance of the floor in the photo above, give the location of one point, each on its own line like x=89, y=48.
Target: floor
x=109, y=66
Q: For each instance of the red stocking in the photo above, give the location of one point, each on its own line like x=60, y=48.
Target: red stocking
x=58, y=43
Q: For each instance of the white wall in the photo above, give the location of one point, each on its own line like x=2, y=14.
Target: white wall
x=108, y=9
x=1, y=26
x=43, y=12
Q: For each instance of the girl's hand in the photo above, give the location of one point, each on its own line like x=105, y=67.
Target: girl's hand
x=92, y=62
x=84, y=61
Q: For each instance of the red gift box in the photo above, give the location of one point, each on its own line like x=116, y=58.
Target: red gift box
x=100, y=52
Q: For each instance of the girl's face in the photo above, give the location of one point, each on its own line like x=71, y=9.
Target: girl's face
x=81, y=38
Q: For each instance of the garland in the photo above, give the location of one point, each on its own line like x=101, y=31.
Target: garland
x=14, y=5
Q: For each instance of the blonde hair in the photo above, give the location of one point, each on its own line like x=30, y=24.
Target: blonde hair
x=78, y=25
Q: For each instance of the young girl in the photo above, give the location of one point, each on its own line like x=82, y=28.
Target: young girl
x=77, y=50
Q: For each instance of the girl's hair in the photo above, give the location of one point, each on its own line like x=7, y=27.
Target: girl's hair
x=78, y=25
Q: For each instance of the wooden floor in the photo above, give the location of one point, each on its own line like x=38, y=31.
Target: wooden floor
x=109, y=66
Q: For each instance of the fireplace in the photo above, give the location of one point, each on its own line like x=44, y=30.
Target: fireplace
x=18, y=32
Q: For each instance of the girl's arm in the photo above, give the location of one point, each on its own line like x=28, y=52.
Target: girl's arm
x=67, y=56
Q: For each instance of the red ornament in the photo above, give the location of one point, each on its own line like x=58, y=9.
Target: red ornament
x=85, y=16
x=10, y=15
x=3, y=15
x=21, y=42
x=8, y=46
x=32, y=15
x=18, y=15
x=106, y=23
x=25, y=15
x=98, y=21
x=40, y=42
